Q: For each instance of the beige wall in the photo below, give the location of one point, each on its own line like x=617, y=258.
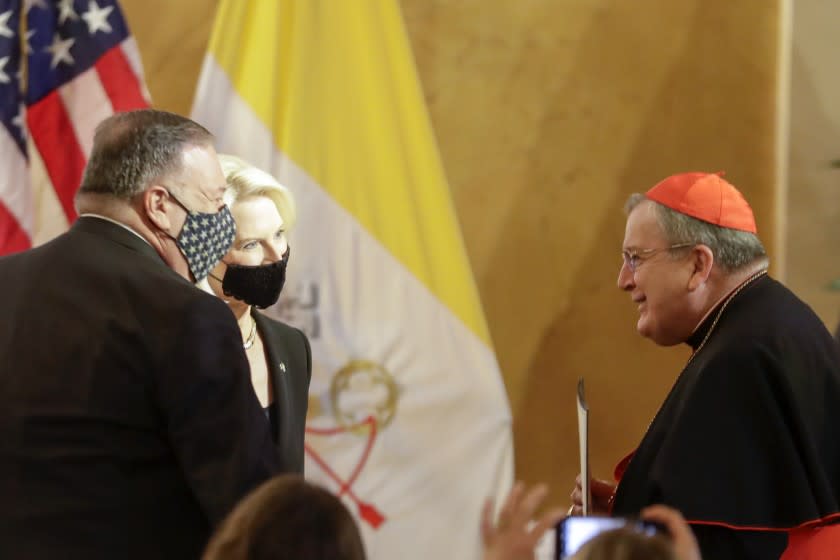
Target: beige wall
x=548, y=114
x=813, y=210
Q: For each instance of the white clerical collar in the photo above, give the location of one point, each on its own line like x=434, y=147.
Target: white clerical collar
x=113, y=221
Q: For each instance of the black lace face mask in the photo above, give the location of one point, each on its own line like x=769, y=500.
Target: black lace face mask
x=259, y=286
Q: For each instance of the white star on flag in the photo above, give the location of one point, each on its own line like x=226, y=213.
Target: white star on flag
x=97, y=18
x=27, y=46
x=60, y=50
x=20, y=119
x=29, y=4
x=5, y=31
x=4, y=78
x=67, y=11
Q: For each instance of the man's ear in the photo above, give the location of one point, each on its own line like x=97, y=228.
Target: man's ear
x=155, y=201
x=702, y=260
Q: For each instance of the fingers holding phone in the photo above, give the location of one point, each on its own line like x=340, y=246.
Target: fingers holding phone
x=682, y=537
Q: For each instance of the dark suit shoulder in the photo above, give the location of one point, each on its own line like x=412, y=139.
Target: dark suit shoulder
x=285, y=340
x=277, y=327
x=98, y=276
x=278, y=331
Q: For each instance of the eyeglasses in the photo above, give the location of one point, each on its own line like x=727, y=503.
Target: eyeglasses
x=633, y=258
x=221, y=204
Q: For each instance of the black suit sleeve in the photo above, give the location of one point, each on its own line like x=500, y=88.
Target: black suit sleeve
x=216, y=427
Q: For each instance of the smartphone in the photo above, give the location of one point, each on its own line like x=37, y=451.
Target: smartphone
x=571, y=533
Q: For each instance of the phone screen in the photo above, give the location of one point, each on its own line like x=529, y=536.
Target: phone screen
x=573, y=532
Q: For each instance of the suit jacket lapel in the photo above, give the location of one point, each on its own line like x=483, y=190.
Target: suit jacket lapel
x=277, y=356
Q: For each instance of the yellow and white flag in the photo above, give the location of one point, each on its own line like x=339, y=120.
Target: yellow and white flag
x=409, y=422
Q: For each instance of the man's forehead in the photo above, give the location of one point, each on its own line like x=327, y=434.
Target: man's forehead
x=202, y=173
x=642, y=226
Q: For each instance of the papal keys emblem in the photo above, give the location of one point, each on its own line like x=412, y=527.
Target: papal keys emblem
x=363, y=400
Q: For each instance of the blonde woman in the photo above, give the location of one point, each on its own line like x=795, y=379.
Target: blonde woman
x=251, y=275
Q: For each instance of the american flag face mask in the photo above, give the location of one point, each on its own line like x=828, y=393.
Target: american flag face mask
x=205, y=239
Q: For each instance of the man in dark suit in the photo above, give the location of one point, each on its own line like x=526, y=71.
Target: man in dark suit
x=128, y=423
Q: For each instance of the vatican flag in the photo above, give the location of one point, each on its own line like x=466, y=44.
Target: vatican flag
x=408, y=418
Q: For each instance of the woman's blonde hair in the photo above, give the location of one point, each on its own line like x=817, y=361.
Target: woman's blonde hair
x=244, y=180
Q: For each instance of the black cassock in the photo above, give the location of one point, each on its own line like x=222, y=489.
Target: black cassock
x=747, y=443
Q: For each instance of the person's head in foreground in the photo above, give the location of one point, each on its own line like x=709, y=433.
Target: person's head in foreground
x=626, y=544
x=287, y=518
x=253, y=271
x=689, y=241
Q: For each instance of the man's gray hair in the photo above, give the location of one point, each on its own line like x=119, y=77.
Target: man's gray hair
x=732, y=248
x=134, y=149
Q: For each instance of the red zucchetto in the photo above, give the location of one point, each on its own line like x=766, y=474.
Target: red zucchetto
x=707, y=197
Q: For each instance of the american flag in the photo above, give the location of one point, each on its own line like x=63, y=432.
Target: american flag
x=64, y=66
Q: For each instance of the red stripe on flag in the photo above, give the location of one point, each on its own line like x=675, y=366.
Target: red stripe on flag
x=55, y=138
x=119, y=81
x=12, y=236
